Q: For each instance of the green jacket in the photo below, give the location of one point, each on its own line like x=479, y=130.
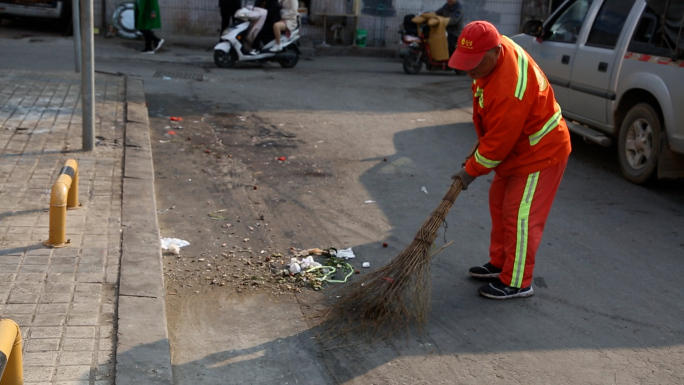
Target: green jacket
x=147, y=15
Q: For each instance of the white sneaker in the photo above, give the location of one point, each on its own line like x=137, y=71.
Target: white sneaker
x=161, y=41
x=276, y=48
x=254, y=52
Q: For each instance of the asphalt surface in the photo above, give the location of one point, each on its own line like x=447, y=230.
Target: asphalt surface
x=607, y=307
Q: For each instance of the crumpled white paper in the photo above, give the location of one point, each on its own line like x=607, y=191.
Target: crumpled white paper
x=297, y=266
x=173, y=244
x=346, y=253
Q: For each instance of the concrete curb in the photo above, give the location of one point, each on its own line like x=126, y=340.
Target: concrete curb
x=143, y=354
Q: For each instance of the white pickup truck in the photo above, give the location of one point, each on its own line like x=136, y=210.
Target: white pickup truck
x=617, y=70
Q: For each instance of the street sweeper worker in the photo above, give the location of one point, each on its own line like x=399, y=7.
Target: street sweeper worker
x=524, y=140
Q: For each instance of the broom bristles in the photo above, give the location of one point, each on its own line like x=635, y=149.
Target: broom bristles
x=399, y=293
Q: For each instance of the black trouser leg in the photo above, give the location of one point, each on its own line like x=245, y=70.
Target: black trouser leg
x=226, y=16
x=149, y=39
x=452, y=41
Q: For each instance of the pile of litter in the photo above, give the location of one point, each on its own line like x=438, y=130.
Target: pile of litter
x=333, y=268
x=314, y=268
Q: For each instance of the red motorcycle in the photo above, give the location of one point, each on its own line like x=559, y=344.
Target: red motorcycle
x=419, y=52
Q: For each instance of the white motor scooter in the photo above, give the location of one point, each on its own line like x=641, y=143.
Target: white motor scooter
x=229, y=50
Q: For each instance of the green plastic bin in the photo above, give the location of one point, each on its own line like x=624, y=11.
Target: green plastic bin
x=361, y=36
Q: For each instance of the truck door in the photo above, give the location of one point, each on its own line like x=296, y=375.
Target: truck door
x=596, y=60
x=555, y=51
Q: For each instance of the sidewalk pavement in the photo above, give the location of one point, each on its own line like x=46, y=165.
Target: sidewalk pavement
x=91, y=312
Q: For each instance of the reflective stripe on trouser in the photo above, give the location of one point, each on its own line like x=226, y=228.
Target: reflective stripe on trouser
x=519, y=206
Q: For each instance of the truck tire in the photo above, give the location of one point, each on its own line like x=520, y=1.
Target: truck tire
x=639, y=144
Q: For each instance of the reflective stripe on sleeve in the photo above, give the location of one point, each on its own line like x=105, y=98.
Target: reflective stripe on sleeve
x=522, y=230
x=522, y=72
x=484, y=161
x=548, y=127
x=479, y=93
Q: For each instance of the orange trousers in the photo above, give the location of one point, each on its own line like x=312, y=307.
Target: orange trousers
x=519, y=206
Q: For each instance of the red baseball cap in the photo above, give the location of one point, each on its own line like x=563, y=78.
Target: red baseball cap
x=477, y=38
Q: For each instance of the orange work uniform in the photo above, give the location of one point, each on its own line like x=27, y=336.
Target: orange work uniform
x=525, y=141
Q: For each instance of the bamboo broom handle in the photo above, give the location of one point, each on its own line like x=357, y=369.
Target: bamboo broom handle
x=427, y=231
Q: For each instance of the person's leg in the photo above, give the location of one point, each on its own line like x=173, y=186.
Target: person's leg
x=156, y=41
x=452, y=41
x=277, y=29
x=235, y=6
x=147, y=34
x=526, y=208
x=497, y=256
x=225, y=18
x=256, y=26
x=497, y=193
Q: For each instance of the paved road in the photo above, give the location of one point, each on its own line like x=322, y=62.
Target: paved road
x=607, y=307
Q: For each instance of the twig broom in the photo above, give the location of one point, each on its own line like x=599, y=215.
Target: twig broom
x=399, y=293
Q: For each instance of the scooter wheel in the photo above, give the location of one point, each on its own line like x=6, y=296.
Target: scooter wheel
x=290, y=58
x=225, y=59
x=412, y=64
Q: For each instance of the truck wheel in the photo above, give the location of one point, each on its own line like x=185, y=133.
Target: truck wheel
x=639, y=144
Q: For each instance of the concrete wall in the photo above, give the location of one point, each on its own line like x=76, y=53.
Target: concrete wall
x=380, y=18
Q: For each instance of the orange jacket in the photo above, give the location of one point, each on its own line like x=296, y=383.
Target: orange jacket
x=518, y=122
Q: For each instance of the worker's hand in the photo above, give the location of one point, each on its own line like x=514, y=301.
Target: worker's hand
x=465, y=178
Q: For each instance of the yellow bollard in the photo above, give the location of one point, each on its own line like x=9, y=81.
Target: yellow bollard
x=11, y=364
x=64, y=195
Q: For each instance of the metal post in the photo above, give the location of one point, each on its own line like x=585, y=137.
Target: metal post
x=357, y=12
x=76, y=21
x=103, y=30
x=11, y=363
x=87, y=75
x=63, y=196
x=325, y=30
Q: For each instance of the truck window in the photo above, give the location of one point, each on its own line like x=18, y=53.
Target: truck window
x=608, y=25
x=567, y=25
x=648, y=37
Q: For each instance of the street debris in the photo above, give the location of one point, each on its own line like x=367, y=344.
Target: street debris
x=314, y=273
x=215, y=215
x=243, y=268
x=346, y=253
x=173, y=244
x=424, y=189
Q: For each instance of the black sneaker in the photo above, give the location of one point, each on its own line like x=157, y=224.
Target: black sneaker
x=485, y=271
x=498, y=290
